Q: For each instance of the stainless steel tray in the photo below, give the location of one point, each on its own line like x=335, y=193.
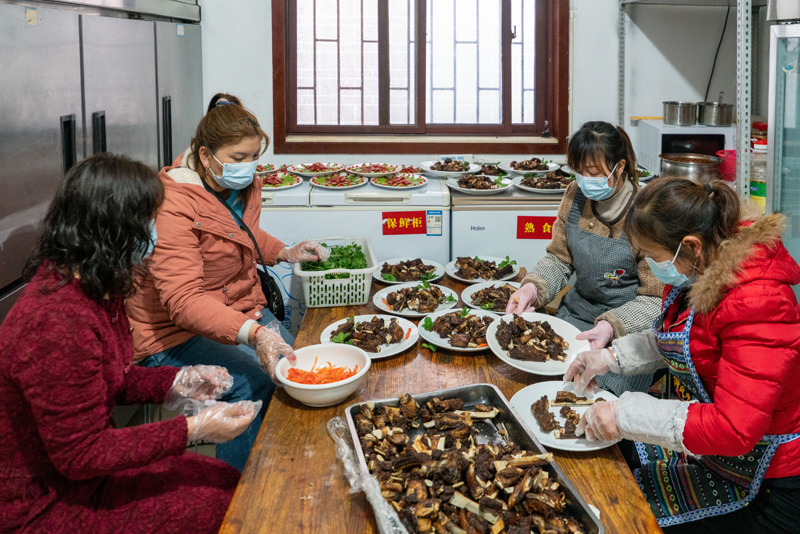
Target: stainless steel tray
x=518, y=433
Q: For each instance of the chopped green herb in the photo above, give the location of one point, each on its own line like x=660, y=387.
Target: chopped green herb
x=342, y=257
x=506, y=262
x=427, y=276
x=340, y=337
x=499, y=181
x=427, y=324
x=477, y=258
x=430, y=347
x=450, y=298
x=464, y=311
x=424, y=285
x=487, y=306
x=390, y=277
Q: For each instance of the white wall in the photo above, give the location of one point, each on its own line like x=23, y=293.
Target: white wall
x=669, y=52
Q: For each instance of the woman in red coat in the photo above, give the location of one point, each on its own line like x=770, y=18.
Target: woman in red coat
x=65, y=362
x=724, y=456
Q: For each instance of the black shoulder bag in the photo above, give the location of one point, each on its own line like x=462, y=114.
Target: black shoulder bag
x=268, y=285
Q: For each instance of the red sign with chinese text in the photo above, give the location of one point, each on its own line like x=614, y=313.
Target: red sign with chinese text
x=404, y=222
x=535, y=227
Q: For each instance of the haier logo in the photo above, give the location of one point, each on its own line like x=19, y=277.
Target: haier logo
x=477, y=228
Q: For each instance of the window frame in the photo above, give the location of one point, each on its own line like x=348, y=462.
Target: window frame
x=551, y=97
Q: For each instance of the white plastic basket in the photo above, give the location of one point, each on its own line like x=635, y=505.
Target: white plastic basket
x=352, y=291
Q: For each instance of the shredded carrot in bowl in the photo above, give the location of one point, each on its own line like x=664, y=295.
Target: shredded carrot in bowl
x=324, y=375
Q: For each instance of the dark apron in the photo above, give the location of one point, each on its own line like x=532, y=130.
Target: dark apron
x=607, y=276
x=680, y=488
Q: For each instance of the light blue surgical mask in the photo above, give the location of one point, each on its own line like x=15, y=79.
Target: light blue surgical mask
x=235, y=175
x=151, y=243
x=668, y=273
x=595, y=188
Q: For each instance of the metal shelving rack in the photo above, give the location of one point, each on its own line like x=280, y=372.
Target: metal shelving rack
x=744, y=21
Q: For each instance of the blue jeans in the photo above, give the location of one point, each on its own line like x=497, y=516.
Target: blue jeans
x=250, y=382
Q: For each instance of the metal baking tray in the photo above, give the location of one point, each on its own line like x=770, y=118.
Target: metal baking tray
x=518, y=433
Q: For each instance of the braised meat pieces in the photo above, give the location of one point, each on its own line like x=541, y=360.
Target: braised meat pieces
x=432, y=471
x=531, y=341
x=474, y=268
x=551, y=180
x=472, y=181
x=541, y=412
x=464, y=332
x=572, y=419
x=491, y=170
x=493, y=298
x=407, y=271
x=448, y=165
x=370, y=335
x=533, y=164
x=416, y=299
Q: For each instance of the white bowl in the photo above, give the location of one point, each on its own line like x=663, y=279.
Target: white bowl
x=324, y=394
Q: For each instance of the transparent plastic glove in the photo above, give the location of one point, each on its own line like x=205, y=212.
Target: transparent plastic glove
x=222, y=421
x=599, y=336
x=599, y=422
x=198, y=382
x=589, y=364
x=306, y=251
x=521, y=299
x=269, y=347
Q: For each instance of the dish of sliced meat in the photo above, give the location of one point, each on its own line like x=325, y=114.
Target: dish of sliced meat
x=454, y=330
x=280, y=180
x=489, y=296
x=449, y=167
x=315, y=169
x=476, y=269
x=341, y=180
x=533, y=165
x=402, y=270
x=380, y=336
x=400, y=181
x=373, y=169
x=414, y=299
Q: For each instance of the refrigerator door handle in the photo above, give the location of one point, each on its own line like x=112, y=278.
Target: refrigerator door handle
x=99, y=132
x=69, y=149
x=166, y=114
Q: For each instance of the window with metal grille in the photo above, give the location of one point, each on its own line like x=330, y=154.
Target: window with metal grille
x=354, y=67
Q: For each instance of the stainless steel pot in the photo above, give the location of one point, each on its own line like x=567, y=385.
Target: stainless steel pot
x=715, y=113
x=678, y=113
x=697, y=167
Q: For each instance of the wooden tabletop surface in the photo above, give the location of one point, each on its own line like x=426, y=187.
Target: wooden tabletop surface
x=293, y=482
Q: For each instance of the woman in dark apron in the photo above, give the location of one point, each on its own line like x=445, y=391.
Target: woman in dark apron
x=614, y=293
x=724, y=455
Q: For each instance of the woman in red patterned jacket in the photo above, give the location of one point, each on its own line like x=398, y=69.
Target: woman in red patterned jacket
x=65, y=362
x=729, y=334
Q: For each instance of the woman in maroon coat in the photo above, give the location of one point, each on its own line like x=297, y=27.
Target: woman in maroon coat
x=65, y=362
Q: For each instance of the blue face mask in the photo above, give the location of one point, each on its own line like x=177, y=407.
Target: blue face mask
x=668, y=273
x=235, y=175
x=151, y=243
x=595, y=188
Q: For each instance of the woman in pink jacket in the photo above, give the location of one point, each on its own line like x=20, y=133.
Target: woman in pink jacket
x=201, y=301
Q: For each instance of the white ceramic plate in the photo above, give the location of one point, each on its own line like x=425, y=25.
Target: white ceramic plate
x=386, y=349
x=361, y=180
x=466, y=295
x=452, y=183
x=437, y=274
x=301, y=169
x=451, y=269
x=550, y=168
x=296, y=180
x=380, y=296
x=551, y=368
x=444, y=342
x=518, y=183
x=418, y=178
x=473, y=168
x=390, y=170
x=525, y=397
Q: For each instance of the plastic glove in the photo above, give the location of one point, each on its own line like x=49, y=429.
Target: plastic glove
x=306, y=251
x=599, y=336
x=522, y=298
x=599, y=422
x=222, y=421
x=589, y=364
x=269, y=347
x=198, y=382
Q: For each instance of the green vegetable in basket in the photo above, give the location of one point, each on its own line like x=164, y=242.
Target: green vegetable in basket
x=342, y=257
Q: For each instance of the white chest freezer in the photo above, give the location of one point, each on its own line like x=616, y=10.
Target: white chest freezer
x=414, y=222
x=514, y=223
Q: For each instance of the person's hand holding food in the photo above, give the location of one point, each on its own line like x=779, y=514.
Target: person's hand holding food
x=589, y=364
x=521, y=300
x=307, y=250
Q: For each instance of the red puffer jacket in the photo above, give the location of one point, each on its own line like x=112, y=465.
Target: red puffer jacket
x=745, y=345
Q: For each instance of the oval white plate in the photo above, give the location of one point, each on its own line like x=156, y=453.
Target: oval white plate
x=518, y=183
x=401, y=187
x=452, y=183
x=525, y=397
x=444, y=342
x=473, y=168
x=438, y=273
x=551, y=368
x=300, y=169
x=386, y=349
x=391, y=169
x=451, y=269
x=550, y=168
x=298, y=180
x=466, y=295
x=315, y=183
x=377, y=300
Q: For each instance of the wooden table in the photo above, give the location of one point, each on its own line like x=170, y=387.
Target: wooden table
x=293, y=482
